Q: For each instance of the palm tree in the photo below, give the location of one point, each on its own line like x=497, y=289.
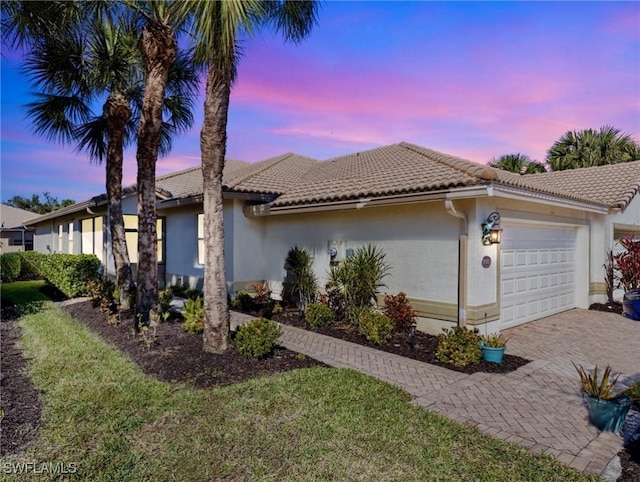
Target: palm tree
x=217, y=27
x=159, y=49
x=588, y=147
x=518, y=163
x=88, y=58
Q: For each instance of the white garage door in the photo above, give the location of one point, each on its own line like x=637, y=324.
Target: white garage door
x=537, y=273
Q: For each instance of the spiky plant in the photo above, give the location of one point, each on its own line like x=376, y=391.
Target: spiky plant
x=597, y=388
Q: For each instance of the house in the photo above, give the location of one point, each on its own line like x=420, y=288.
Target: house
x=14, y=235
x=423, y=208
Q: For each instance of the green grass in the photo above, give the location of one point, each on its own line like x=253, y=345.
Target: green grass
x=22, y=292
x=115, y=423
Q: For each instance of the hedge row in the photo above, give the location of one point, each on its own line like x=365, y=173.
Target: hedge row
x=67, y=272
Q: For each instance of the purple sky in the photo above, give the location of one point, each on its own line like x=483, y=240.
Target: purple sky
x=476, y=80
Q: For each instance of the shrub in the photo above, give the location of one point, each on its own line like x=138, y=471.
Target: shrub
x=70, y=273
x=277, y=308
x=10, y=266
x=263, y=293
x=399, y=310
x=318, y=314
x=459, y=347
x=165, y=297
x=193, y=316
x=104, y=293
x=242, y=301
x=31, y=264
x=257, y=338
x=304, y=286
x=336, y=301
x=359, y=277
x=627, y=264
x=376, y=327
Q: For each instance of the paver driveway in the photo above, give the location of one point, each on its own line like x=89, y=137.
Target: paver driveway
x=538, y=406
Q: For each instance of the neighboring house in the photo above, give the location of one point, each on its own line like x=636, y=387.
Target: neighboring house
x=424, y=209
x=14, y=236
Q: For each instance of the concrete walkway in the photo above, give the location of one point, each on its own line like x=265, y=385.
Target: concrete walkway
x=538, y=406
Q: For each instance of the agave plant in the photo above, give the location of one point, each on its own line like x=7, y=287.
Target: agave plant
x=495, y=340
x=591, y=386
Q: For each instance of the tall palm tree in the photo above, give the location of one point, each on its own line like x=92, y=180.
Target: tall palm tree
x=518, y=163
x=93, y=56
x=589, y=147
x=218, y=28
x=159, y=49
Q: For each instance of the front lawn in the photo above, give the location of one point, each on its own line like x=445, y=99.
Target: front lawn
x=106, y=420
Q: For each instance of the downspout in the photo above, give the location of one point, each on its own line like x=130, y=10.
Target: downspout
x=462, y=261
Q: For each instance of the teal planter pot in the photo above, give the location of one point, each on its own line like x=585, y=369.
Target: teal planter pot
x=607, y=415
x=492, y=354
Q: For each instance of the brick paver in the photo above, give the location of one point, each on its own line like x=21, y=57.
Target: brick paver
x=538, y=406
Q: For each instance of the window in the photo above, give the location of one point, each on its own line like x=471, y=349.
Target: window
x=131, y=235
x=60, y=232
x=91, y=236
x=70, y=238
x=200, y=238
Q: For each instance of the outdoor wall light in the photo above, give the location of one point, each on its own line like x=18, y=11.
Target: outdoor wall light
x=491, y=232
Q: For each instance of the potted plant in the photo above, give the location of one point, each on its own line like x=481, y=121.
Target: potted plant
x=607, y=410
x=493, y=347
x=627, y=264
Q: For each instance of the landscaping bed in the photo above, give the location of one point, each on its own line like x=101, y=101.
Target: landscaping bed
x=400, y=344
x=176, y=356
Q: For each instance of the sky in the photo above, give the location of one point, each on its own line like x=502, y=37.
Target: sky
x=471, y=79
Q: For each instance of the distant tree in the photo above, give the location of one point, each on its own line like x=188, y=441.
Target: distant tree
x=588, y=147
x=38, y=206
x=518, y=163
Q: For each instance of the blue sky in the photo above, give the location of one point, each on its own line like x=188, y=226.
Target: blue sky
x=472, y=79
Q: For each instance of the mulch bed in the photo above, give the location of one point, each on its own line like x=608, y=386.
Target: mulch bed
x=19, y=400
x=400, y=344
x=614, y=307
x=177, y=356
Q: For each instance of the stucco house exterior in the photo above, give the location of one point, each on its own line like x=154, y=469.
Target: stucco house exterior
x=423, y=208
x=14, y=235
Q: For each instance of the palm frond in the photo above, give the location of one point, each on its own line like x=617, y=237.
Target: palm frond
x=56, y=117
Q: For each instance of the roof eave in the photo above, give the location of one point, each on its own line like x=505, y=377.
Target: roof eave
x=370, y=201
x=548, y=199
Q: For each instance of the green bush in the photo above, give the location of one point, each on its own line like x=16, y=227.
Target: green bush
x=303, y=285
x=318, y=314
x=376, y=327
x=193, y=316
x=258, y=338
x=359, y=278
x=243, y=301
x=31, y=264
x=70, y=273
x=459, y=347
x=10, y=267
x=165, y=297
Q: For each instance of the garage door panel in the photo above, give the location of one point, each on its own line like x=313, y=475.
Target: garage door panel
x=537, y=273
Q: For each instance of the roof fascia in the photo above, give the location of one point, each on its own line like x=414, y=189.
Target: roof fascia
x=530, y=196
x=199, y=199
x=74, y=208
x=379, y=201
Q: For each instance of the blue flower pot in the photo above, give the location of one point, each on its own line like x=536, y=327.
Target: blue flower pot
x=631, y=304
x=607, y=415
x=493, y=354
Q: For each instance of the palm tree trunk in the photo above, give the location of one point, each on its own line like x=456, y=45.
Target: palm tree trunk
x=117, y=113
x=213, y=140
x=159, y=48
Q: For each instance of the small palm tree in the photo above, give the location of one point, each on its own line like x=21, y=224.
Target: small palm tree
x=518, y=163
x=588, y=147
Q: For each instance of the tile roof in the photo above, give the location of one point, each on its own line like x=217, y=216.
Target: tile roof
x=271, y=176
x=406, y=168
x=613, y=185
x=11, y=217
